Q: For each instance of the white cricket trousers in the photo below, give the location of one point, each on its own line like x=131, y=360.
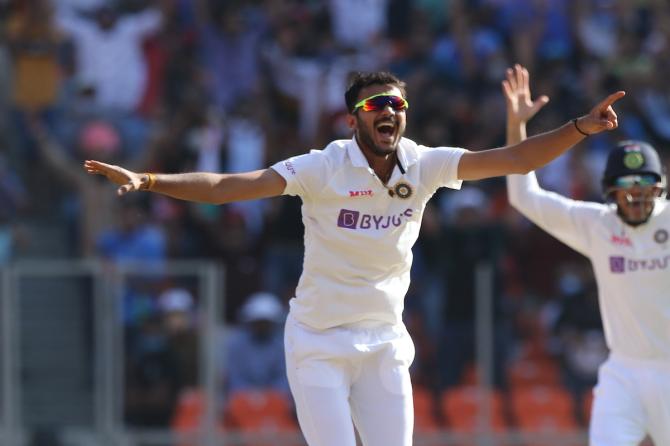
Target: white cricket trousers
x=356, y=372
x=632, y=399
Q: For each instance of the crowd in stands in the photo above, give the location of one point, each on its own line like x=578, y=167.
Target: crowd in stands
x=236, y=85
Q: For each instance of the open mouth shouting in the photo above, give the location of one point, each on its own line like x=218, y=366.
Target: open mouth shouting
x=386, y=132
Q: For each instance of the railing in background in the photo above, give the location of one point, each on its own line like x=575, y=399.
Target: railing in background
x=109, y=282
x=109, y=429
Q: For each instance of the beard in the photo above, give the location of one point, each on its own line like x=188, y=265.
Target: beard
x=365, y=138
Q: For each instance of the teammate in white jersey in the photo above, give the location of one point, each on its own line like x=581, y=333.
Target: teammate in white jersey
x=626, y=240
x=347, y=350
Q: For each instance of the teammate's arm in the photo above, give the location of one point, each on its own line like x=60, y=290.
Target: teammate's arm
x=535, y=152
x=519, y=105
x=201, y=187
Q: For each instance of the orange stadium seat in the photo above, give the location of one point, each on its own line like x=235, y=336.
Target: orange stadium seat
x=462, y=406
x=543, y=408
x=189, y=410
x=424, y=410
x=533, y=372
x=260, y=412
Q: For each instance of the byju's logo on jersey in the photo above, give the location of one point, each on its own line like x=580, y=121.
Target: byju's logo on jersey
x=617, y=264
x=355, y=220
x=620, y=265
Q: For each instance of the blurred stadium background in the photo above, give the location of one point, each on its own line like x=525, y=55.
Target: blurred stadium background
x=131, y=321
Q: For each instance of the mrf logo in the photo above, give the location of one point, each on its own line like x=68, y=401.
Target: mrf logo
x=360, y=193
x=620, y=265
x=355, y=220
x=621, y=240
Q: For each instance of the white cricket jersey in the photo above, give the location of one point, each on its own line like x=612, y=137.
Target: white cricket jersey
x=631, y=264
x=358, y=239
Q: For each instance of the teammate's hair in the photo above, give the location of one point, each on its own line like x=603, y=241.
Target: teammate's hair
x=359, y=80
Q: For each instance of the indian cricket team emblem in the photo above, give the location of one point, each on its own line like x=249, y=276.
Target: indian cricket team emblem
x=403, y=190
x=633, y=159
x=661, y=236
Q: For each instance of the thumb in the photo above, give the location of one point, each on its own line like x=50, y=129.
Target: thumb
x=539, y=103
x=125, y=189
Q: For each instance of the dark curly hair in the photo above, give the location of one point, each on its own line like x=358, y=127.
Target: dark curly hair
x=360, y=80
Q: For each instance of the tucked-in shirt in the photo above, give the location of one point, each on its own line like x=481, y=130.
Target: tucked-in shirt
x=631, y=264
x=359, y=238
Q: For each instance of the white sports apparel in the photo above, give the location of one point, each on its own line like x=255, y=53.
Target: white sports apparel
x=358, y=371
x=358, y=238
x=632, y=398
x=631, y=264
x=632, y=270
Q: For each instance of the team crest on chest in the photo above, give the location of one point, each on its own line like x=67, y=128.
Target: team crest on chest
x=661, y=236
x=403, y=190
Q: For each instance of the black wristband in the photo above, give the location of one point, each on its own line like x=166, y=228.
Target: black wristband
x=574, y=122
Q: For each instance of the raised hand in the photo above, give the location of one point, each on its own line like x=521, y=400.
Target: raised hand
x=601, y=117
x=516, y=88
x=129, y=181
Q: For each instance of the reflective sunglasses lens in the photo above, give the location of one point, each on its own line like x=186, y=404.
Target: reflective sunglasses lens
x=379, y=102
x=635, y=180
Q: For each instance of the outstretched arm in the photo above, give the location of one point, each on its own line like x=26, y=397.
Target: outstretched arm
x=201, y=187
x=538, y=150
x=559, y=216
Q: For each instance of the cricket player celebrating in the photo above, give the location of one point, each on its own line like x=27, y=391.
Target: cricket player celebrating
x=626, y=240
x=347, y=350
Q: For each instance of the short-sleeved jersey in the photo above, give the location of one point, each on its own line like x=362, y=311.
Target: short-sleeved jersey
x=358, y=236
x=631, y=264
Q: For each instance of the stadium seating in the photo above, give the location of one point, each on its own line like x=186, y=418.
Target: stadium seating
x=543, y=409
x=462, y=407
x=533, y=372
x=425, y=419
x=264, y=412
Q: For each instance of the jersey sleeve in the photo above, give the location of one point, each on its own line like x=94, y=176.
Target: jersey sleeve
x=562, y=217
x=305, y=175
x=440, y=167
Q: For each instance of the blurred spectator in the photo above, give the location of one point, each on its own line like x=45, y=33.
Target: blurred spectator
x=36, y=46
x=359, y=24
x=578, y=329
x=152, y=381
x=94, y=204
x=109, y=55
x=539, y=30
x=13, y=203
x=135, y=239
x=283, y=251
x=472, y=240
x=245, y=141
x=37, y=50
x=230, y=31
x=171, y=58
x=225, y=236
x=111, y=70
x=254, y=353
x=177, y=307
